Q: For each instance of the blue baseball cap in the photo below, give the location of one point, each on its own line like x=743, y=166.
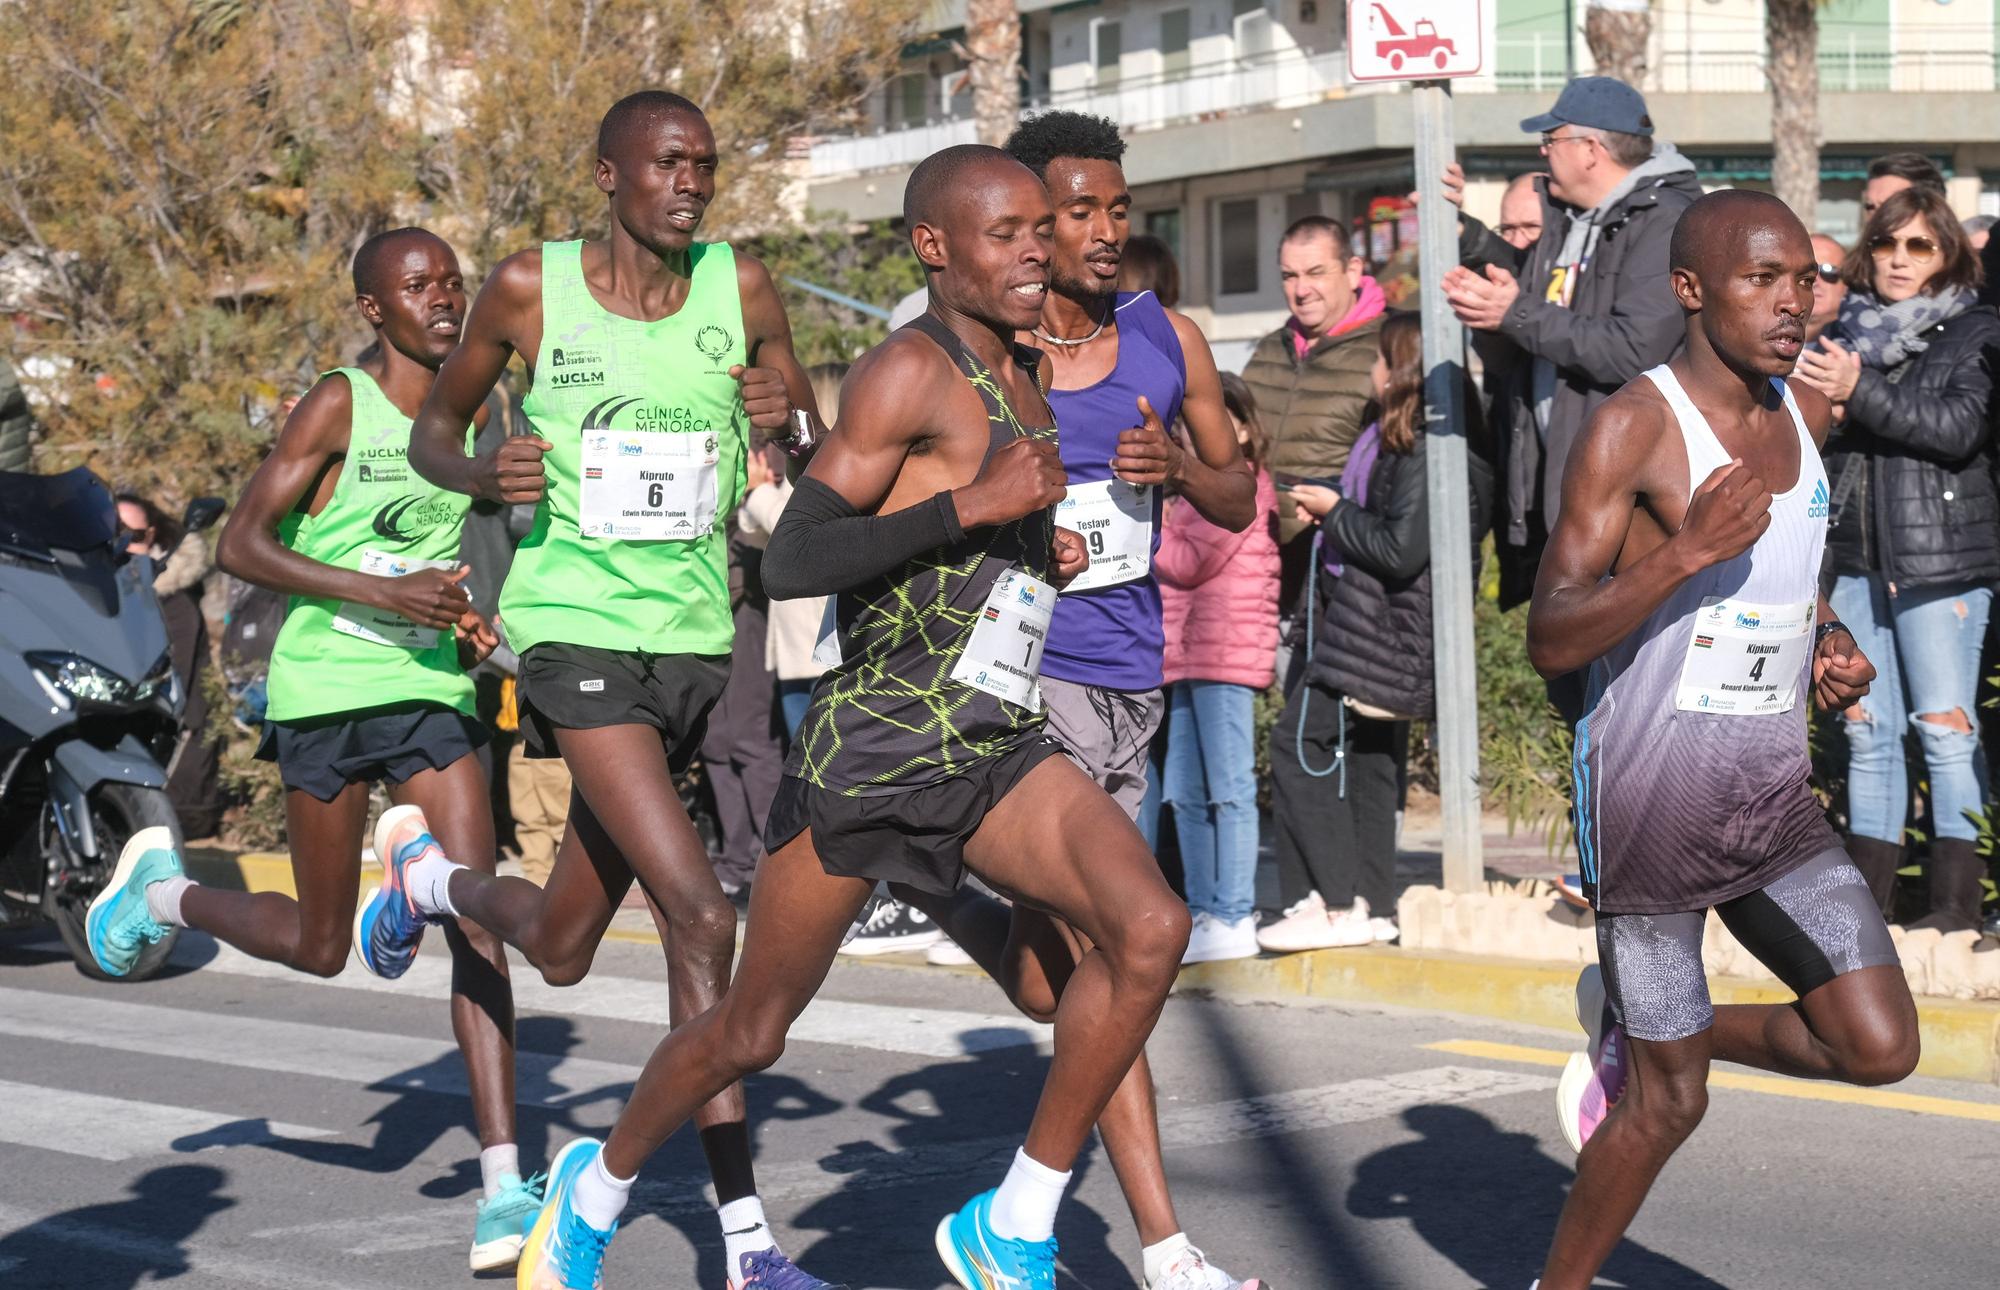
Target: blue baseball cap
x=1599, y=102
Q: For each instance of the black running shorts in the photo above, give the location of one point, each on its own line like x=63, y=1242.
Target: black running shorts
x=917, y=836
x=577, y=687
x=323, y=755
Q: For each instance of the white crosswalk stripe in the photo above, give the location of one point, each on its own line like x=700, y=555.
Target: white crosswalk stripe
x=117, y=1128
x=916, y=1032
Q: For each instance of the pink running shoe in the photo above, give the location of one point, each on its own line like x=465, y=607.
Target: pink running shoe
x=1594, y=1079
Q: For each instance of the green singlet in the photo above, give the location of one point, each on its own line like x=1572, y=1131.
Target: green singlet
x=630, y=545
x=383, y=518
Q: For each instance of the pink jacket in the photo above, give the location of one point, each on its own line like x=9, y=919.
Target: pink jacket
x=1219, y=595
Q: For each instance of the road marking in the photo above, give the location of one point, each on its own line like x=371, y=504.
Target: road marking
x=117, y=1128
x=916, y=1032
x=371, y=1058
x=1776, y=1086
x=171, y=1259
x=867, y=1166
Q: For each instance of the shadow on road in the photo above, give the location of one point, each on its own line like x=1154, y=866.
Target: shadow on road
x=120, y=1244
x=1488, y=1201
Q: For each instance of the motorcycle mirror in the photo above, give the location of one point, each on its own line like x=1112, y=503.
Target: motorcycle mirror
x=202, y=513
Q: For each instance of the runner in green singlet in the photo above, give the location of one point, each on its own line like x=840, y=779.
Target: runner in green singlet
x=368, y=682
x=654, y=358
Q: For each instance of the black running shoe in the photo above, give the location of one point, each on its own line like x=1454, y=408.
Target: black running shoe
x=888, y=926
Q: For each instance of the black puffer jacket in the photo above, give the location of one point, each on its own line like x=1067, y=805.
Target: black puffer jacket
x=1373, y=639
x=1913, y=464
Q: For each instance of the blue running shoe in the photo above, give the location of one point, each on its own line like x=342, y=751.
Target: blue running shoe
x=388, y=927
x=979, y=1260
x=118, y=924
x=771, y=1270
x=562, y=1251
x=504, y=1220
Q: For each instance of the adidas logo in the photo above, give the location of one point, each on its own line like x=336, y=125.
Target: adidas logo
x=1819, y=505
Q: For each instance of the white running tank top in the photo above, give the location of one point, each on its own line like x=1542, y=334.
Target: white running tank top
x=1691, y=763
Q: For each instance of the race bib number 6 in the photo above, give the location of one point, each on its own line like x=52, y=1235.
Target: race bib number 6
x=1004, y=654
x=1745, y=659
x=648, y=486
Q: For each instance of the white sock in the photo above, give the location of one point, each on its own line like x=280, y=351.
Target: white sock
x=497, y=1167
x=1024, y=1209
x=744, y=1231
x=597, y=1197
x=429, y=877
x=163, y=899
x=1154, y=1258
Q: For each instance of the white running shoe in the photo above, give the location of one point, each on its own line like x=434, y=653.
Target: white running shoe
x=1215, y=939
x=1191, y=1270
x=946, y=953
x=1348, y=928
x=1303, y=926
x=1386, y=931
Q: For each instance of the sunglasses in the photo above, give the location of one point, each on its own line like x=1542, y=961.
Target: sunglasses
x=1921, y=250
x=1829, y=272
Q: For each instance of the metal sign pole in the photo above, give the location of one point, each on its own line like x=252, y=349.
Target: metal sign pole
x=1457, y=727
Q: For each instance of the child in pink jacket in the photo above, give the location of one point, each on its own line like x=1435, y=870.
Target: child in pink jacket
x=1219, y=595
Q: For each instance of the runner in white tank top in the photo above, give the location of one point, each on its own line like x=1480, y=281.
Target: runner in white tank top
x=1683, y=573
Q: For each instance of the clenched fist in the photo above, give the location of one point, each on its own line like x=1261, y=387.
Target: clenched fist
x=1069, y=556
x=1024, y=477
x=1725, y=517
x=765, y=398
x=512, y=472
x=428, y=597
x=1147, y=454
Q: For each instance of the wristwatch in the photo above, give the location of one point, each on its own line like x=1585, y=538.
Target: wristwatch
x=1828, y=628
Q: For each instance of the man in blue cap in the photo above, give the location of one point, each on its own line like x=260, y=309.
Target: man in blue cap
x=1562, y=323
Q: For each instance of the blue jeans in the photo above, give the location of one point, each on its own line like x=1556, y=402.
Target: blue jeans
x=1212, y=786
x=1924, y=643
x=793, y=699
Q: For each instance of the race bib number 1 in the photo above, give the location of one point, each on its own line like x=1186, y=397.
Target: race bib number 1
x=1115, y=520
x=379, y=626
x=648, y=486
x=1745, y=659
x=1004, y=654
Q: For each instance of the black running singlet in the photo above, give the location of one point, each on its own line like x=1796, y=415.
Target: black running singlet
x=890, y=718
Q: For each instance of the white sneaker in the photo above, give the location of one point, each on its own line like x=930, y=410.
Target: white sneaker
x=1350, y=927
x=1386, y=931
x=1302, y=927
x=1214, y=939
x=946, y=953
x=1191, y=1270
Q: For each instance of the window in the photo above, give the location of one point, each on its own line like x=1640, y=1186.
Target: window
x=1166, y=225
x=1109, y=39
x=1238, y=255
x=1251, y=23
x=1174, y=32
x=1300, y=205
x=911, y=99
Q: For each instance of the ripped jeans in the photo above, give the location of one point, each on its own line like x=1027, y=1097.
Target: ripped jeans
x=1212, y=787
x=1925, y=644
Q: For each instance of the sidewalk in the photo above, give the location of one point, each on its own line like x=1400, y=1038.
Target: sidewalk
x=1961, y=1040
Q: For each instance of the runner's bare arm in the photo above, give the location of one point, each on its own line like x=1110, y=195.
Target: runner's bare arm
x=1579, y=613
x=511, y=471
x=1215, y=477
x=313, y=439
x=774, y=382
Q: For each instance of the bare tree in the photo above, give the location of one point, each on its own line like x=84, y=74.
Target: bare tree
x=1619, y=32
x=1792, y=65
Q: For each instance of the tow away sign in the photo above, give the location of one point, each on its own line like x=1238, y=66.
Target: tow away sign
x=1414, y=40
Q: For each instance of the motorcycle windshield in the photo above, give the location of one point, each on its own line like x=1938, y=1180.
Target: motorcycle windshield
x=72, y=511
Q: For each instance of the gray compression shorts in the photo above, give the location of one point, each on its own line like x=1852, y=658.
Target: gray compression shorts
x=1814, y=924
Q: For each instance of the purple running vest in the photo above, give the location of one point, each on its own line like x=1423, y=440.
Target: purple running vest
x=1113, y=637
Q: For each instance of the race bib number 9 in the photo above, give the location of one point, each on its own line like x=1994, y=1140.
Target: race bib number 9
x=1115, y=520
x=1745, y=660
x=379, y=626
x=1004, y=654
x=648, y=486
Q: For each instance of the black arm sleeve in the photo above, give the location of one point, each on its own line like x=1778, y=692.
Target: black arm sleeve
x=823, y=545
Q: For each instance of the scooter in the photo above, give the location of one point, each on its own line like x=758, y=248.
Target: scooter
x=89, y=703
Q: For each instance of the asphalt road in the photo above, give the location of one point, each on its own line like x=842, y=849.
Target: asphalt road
x=234, y=1125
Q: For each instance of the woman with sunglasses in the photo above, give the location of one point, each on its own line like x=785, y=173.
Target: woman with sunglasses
x=1915, y=540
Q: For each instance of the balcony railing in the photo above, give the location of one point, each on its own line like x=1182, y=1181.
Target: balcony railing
x=1847, y=65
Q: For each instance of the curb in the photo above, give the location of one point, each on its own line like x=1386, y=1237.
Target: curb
x=1961, y=1038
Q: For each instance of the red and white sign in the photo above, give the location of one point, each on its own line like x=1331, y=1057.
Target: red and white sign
x=1414, y=40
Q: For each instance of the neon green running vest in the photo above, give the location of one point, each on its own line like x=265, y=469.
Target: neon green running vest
x=331, y=657
x=629, y=549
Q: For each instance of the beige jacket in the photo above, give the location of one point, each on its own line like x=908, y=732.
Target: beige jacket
x=794, y=624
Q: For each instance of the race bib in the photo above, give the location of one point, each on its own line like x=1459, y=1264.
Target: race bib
x=1004, y=655
x=379, y=626
x=648, y=486
x=1116, y=521
x=1745, y=660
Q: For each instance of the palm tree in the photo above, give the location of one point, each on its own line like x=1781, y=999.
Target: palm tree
x=1791, y=29
x=992, y=51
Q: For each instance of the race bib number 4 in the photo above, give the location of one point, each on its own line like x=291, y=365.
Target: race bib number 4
x=1745, y=659
x=1115, y=520
x=1004, y=654
x=648, y=486
x=379, y=626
